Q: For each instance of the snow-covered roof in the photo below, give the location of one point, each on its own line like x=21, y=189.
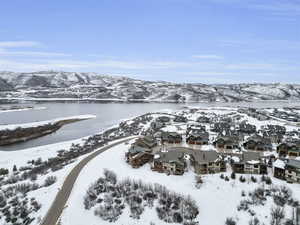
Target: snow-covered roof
x=279, y=164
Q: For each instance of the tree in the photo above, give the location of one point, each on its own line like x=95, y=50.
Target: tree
x=49, y=181
x=15, y=169
x=230, y=221
x=277, y=215
x=233, y=175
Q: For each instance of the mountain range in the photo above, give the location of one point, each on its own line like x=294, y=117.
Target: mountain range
x=73, y=85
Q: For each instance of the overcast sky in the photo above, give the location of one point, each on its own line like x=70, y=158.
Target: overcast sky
x=207, y=41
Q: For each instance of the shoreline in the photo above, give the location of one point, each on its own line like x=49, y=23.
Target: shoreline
x=12, y=134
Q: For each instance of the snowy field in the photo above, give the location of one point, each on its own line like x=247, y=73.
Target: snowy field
x=217, y=199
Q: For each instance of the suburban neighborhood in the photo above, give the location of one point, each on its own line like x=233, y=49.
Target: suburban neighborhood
x=208, y=143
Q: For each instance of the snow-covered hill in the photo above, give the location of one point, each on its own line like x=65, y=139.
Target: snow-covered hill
x=69, y=85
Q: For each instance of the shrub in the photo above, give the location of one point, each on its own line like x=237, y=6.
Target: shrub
x=242, y=179
x=3, y=171
x=253, y=179
x=222, y=176
x=232, y=175
x=226, y=178
x=230, y=221
x=199, y=181
x=49, y=181
x=254, y=221
x=268, y=180
x=277, y=215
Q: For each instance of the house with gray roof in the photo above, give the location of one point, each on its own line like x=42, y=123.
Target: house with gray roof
x=206, y=162
x=250, y=163
x=292, y=171
x=289, y=148
x=140, y=152
x=170, y=162
x=226, y=142
x=201, y=138
x=258, y=143
x=171, y=138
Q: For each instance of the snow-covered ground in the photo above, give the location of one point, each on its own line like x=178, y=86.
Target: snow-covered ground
x=44, y=195
x=41, y=123
x=217, y=199
x=20, y=158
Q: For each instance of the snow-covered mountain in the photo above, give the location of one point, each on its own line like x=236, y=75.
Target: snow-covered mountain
x=52, y=84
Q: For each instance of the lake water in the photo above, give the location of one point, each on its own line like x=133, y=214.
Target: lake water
x=108, y=114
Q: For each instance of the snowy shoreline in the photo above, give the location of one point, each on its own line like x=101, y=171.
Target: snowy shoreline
x=14, y=133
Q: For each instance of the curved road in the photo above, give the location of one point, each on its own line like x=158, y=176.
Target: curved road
x=62, y=196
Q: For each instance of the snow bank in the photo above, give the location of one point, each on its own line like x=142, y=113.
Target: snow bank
x=41, y=123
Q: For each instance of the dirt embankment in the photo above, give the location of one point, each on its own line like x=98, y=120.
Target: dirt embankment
x=8, y=137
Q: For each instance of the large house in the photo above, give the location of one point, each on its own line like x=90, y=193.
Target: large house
x=275, y=138
x=291, y=149
x=206, y=162
x=250, y=163
x=279, y=169
x=140, y=152
x=227, y=142
x=258, y=143
x=170, y=162
x=287, y=169
x=201, y=138
x=171, y=138
x=292, y=171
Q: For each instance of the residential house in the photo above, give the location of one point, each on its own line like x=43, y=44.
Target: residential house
x=171, y=138
x=292, y=171
x=275, y=138
x=279, y=169
x=226, y=142
x=140, y=152
x=291, y=149
x=258, y=143
x=206, y=162
x=198, y=138
x=170, y=162
x=250, y=163
x=140, y=159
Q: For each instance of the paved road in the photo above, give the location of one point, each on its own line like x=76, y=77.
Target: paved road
x=63, y=195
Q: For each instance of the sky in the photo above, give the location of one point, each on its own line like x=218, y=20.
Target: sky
x=198, y=41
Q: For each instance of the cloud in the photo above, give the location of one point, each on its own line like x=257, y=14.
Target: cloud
x=208, y=57
x=32, y=53
x=18, y=44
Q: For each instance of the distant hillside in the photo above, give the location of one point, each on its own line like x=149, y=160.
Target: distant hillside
x=50, y=84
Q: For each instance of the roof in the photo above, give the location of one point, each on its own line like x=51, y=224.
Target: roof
x=137, y=149
x=170, y=156
x=279, y=164
x=251, y=156
x=205, y=156
x=293, y=163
